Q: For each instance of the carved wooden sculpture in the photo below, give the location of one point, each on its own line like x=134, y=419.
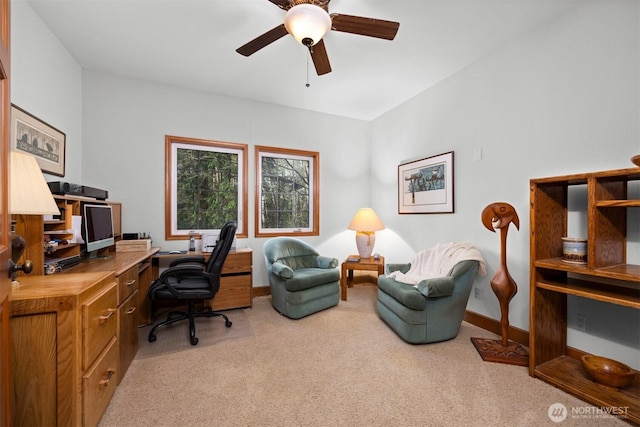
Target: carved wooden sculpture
x=498, y=216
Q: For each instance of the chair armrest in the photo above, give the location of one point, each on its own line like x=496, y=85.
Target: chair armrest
x=402, y=268
x=326, y=262
x=462, y=267
x=436, y=287
x=281, y=270
x=184, y=269
x=188, y=259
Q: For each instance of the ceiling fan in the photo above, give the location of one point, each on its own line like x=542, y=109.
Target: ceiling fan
x=309, y=20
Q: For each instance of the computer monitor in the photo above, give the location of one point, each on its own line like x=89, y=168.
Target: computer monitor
x=97, y=227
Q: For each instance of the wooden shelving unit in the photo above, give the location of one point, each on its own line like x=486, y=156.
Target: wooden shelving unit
x=36, y=230
x=62, y=229
x=606, y=277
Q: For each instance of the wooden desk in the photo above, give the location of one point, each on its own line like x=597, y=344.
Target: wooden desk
x=64, y=351
x=235, y=285
x=368, y=264
x=133, y=273
x=118, y=262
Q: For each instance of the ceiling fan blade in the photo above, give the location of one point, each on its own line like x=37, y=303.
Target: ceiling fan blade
x=364, y=26
x=320, y=58
x=282, y=4
x=264, y=40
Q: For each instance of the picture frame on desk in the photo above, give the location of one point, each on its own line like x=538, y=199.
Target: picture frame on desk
x=38, y=138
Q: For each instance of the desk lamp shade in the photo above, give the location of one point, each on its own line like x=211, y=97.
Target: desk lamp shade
x=29, y=194
x=365, y=223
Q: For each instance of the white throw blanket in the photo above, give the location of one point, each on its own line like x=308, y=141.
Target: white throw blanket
x=438, y=261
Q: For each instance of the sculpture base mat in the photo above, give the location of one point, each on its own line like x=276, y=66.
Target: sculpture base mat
x=492, y=351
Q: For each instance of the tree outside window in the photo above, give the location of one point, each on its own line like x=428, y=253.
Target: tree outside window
x=205, y=186
x=286, y=192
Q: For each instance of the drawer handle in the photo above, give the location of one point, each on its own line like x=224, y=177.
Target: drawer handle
x=110, y=372
x=131, y=310
x=106, y=317
x=130, y=282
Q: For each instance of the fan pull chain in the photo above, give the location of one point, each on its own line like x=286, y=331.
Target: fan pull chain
x=307, y=84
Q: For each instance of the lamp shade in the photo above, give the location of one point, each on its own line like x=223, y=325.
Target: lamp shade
x=29, y=193
x=366, y=220
x=307, y=23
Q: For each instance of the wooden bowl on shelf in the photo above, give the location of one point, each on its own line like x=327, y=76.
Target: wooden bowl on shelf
x=608, y=371
x=636, y=160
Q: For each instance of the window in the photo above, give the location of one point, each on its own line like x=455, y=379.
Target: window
x=205, y=186
x=287, y=200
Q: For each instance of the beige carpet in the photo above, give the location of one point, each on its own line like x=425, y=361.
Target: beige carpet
x=340, y=367
x=209, y=331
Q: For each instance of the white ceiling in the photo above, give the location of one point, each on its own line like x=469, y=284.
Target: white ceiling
x=191, y=43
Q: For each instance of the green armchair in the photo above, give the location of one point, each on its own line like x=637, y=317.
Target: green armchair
x=302, y=282
x=432, y=310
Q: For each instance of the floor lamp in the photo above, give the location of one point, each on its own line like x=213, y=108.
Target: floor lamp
x=29, y=194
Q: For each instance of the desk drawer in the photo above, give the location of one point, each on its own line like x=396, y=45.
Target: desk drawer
x=127, y=284
x=99, y=324
x=234, y=292
x=238, y=262
x=128, y=320
x=99, y=384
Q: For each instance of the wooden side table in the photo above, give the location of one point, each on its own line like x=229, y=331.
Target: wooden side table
x=346, y=279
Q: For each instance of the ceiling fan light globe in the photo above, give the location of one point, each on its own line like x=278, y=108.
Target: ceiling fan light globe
x=307, y=22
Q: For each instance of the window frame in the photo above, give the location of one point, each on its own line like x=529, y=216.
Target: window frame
x=314, y=191
x=172, y=143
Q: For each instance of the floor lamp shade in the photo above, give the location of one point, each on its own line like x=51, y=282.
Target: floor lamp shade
x=365, y=223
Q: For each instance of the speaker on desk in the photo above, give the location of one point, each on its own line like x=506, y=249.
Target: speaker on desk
x=62, y=188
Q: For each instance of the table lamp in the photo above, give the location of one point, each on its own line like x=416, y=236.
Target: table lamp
x=29, y=194
x=365, y=223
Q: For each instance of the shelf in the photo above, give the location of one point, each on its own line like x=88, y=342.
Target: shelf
x=567, y=374
x=628, y=297
x=58, y=232
x=54, y=221
x=629, y=174
x=618, y=203
x=62, y=247
x=629, y=272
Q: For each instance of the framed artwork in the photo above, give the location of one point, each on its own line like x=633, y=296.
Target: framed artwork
x=287, y=192
x=44, y=142
x=205, y=186
x=426, y=186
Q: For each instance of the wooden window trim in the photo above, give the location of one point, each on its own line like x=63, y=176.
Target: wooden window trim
x=315, y=191
x=168, y=167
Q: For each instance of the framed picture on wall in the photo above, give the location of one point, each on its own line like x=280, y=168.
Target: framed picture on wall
x=44, y=142
x=425, y=186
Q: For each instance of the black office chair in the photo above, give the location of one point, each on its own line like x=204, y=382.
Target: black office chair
x=191, y=280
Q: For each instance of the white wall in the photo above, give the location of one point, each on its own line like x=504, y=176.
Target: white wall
x=125, y=122
x=563, y=99
x=46, y=82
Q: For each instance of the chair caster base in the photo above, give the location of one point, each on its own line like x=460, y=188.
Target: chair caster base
x=152, y=338
x=194, y=341
x=228, y=323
